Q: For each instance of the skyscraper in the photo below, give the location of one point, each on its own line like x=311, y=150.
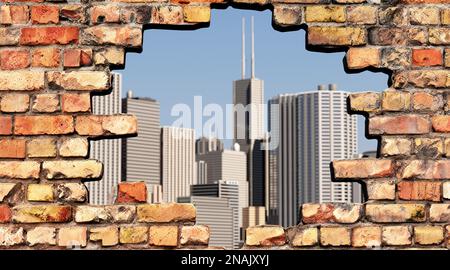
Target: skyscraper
x=178, y=167
x=312, y=129
x=204, y=145
x=228, y=190
x=248, y=101
x=254, y=216
x=141, y=155
x=107, y=151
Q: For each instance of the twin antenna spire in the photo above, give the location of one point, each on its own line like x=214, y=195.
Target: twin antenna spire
x=243, y=48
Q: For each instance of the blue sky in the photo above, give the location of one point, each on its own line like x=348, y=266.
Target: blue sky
x=175, y=66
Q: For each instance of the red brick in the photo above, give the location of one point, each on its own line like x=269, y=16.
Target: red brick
x=426, y=1
x=49, y=35
x=20, y=1
x=14, y=59
x=363, y=168
x=44, y=14
x=441, y=123
x=425, y=169
x=89, y=125
x=14, y=14
x=5, y=125
x=12, y=148
x=132, y=192
x=76, y=102
x=86, y=57
x=105, y=14
x=5, y=213
x=38, y=125
x=420, y=190
x=72, y=58
x=45, y=57
x=403, y=124
x=427, y=57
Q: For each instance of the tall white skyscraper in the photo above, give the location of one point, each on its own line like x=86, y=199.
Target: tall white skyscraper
x=312, y=129
x=141, y=155
x=248, y=101
x=178, y=166
x=107, y=151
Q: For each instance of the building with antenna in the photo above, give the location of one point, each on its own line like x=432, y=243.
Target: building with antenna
x=248, y=101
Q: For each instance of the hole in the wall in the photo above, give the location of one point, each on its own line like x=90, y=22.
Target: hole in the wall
x=174, y=66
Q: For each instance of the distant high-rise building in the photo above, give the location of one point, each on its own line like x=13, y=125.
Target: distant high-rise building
x=141, y=155
x=248, y=101
x=156, y=194
x=216, y=213
x=204, y=145
x=228, y=190
x=202, y=172
x=254, y=216
x=109, y=152
x=312, y=129
x=228, y=165
x=177, y=162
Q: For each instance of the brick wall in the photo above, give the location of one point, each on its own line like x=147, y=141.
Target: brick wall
x=54, y=55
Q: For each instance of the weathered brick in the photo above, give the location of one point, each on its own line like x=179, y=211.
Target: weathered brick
x=426, y=169
x=427, y=57
x=14, y=59
x=440, y=213
x=428, y=235
x=103, y=125
x=41, y=148
x=41, y=125
x=122, y=213
x=365, y=102
x=5, y=213
x=9, y=36
x=439, y=36
x=423, y=101
x=112, y=35
x=428, y=148
x=133, y=235
x=390, y=213
x=73, y=13
x=166, y=212
x=303, y=237
x=45, y=57
x=396, y=15
x=402, y=124
x=40, y=193
x=45, y=14
x=110, y=55
x=197, y=14
x=76, y=102
x=417, y=36
x=140, y=14
x=12, y=148
x=74, y=147
x=109, y=236
x=105, y=14
x=165, y=236
x=381, y=189
x=167, y=15
x=441, y=123
x=69, y=169
x=336, y=36
x=132, y=192
x=71, y=192
x=72, y=237
x=42, y=236
x=72, y=57
x=49, y=35
x=11, y=236
x=424, y=15
x=362, y=14
x=387, y=36
x=265, y=236
x=335, y=236
x=396, y=58
x=422, y=78
x=42, y=213
x=330, y=213
x=21, y=80
x=94, y=214
x=419, y=190
x=392, y=146
x=363, y=168
x=325, y=13
x=446, y=190
x=80, y=80
x=445, y=16
x=393, y=100
x=195, y=235
x=367, y=236
x=5, y=125
x=14, y=103
x=19, y=169
x=46, y=103
x=6, y=189
x=358, y=58
x=14, y=14
x=286, y=15
x=396, y=235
